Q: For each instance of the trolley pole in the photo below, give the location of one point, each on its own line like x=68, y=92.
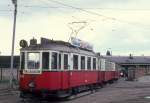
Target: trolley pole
x=13, y=42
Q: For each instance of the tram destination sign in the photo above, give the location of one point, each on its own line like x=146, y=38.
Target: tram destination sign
x=80, y=43
x=32, y=71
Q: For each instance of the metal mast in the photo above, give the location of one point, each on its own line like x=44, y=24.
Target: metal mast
x=13, y=42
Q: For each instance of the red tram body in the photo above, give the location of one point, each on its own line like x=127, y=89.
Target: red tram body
x=61, y=69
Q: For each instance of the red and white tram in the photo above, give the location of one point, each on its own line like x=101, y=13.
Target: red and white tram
x=57, y=68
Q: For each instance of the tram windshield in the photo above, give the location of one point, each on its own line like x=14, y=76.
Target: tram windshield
x=33, y=61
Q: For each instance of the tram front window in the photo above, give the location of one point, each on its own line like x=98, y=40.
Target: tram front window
x=33, y=61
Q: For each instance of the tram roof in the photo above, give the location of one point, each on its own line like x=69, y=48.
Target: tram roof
x=56, y=45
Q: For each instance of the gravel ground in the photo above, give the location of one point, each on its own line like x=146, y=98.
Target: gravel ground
x=119, y=92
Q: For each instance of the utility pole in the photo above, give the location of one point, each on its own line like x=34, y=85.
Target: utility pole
x=13, y=42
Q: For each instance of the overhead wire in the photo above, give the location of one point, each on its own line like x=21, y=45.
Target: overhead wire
x=82, y=9
x=39, y=6
x=120, y=9
x=5, y=11
x=97, y=14
x=89, y=12
x=66, y=5
x=73, y=7
x=101, y=8
x=86, y=11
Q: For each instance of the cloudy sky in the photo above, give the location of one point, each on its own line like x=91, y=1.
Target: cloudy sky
x=123, y=26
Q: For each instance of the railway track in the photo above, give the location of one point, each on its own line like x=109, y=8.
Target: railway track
x=58, y=100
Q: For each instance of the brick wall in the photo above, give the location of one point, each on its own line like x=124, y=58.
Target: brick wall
x=137, y=72
x=141, y=71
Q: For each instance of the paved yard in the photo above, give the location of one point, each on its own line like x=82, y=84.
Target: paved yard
x=120, y=92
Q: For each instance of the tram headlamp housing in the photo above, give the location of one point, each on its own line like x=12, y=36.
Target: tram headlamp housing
x=32, y=84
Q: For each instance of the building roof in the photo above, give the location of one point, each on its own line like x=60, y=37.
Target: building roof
x=127, y=60
x=5, y=61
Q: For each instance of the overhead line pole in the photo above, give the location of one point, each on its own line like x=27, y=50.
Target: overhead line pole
x=13, y=42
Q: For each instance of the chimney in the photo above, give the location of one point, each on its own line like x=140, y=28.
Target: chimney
x=130, y=56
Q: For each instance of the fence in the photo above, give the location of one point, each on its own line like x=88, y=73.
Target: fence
x=5, y=77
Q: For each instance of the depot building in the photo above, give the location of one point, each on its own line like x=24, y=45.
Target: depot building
x=134, y=66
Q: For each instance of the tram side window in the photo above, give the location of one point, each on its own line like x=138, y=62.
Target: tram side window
x=94, y=63
x=75, y=61
x=65, y=61
x=45, y=60
x=22, y=60
x=54, y=60
x=89, y=63
x=59, y=61
x=82, y=62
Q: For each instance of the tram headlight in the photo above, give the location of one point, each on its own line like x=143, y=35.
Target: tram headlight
x=32, y=84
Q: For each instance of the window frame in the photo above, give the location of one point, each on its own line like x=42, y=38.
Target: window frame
x=77, y=62
x=51, y=60
x=103, y=64
x=28, y=57
x=44, y=69
x=95, y=63
x=32, y=71
x=90, y=63
x=84, y=62
x=68, y=67
x=60, y=61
